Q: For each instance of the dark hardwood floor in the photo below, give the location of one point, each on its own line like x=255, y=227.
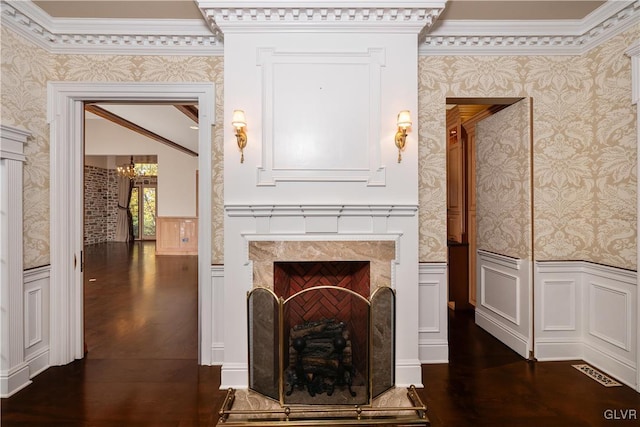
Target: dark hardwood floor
x=141, y=367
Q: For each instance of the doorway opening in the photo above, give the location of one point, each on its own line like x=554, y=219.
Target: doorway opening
x=66, y=114
x=489, y=200
x=124, y=144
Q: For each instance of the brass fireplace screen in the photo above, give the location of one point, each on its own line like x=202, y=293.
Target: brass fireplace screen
x=325, y=345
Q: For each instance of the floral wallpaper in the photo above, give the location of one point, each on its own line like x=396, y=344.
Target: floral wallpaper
x=584, y=154
x=503, y=182
x=25, y=72
x=584, y=173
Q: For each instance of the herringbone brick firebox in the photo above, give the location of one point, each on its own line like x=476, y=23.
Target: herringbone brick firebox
x=292, y=277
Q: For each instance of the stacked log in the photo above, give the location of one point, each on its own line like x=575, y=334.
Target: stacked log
x=319, y=355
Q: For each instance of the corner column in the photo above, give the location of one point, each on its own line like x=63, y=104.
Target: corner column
x=14, y=372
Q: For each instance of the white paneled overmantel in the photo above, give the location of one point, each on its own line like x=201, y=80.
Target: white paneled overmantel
x=14, y=372
x=337, y=124
x=321, y=87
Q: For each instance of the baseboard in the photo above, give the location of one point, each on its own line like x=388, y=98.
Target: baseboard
x=550, y=350
x=38, y=362
x=433, y=351
x=14, y=380
x=408, y=372
x=509, y=337
x=234, y=375
x=621, y=370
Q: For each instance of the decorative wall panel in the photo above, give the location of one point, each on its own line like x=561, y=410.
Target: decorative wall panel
x=614, y=327
x=321, y=118
x=558, y=305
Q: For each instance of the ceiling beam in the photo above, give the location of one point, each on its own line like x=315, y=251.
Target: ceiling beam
x=107, y=115
x=189, y=110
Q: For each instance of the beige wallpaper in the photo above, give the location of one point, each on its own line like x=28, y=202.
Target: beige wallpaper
x=23, y=99
x=503, y=182
x=584, y=147
x=584, y=138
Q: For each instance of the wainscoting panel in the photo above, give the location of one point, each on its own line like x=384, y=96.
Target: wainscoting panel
x=558, y=305
x=610, y=320
x=504, y=297
x=432, y=329
x=558, y=290
x=213, y=345
x=611, y=310
x=587, y=311
x=36, y=319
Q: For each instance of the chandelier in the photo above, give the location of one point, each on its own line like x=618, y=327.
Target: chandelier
x=128, y=171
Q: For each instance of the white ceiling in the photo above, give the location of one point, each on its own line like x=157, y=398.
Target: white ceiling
x=164, y=120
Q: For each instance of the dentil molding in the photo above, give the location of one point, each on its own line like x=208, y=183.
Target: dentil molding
x=197, y=37
x=319, y=16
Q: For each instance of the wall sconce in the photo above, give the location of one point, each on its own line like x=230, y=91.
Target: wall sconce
x=240, y=122
x=404, y=121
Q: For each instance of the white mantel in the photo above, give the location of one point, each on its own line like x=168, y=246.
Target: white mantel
x=321, y=84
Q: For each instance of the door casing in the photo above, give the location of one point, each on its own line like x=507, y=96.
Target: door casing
x=65, y=115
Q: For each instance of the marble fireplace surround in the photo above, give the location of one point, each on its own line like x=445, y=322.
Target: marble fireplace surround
x=379, y=253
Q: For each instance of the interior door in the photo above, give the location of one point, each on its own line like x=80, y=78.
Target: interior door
x=504, y=226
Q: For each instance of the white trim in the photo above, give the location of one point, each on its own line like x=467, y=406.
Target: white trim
x=196, y=37
x=609, y=350
x=64, y=114
x=634, y=53
x=553, y=37
x=513, y=339
x=114, y=36
x=260, y=210
x=14, y=373
x=406, y=369
x=213, y=324
x=321, y=16
x=433, y=344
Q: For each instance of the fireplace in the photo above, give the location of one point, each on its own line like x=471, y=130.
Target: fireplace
x=321, y=320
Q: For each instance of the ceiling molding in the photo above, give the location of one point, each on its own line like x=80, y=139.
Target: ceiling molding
x=197, y=37
x=111, y=36
x=550, y=37
x=321, y=16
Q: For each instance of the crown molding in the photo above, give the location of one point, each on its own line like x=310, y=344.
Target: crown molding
x=321, y=16
x=551, y=37
x=204, y=37
x=121, y=36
